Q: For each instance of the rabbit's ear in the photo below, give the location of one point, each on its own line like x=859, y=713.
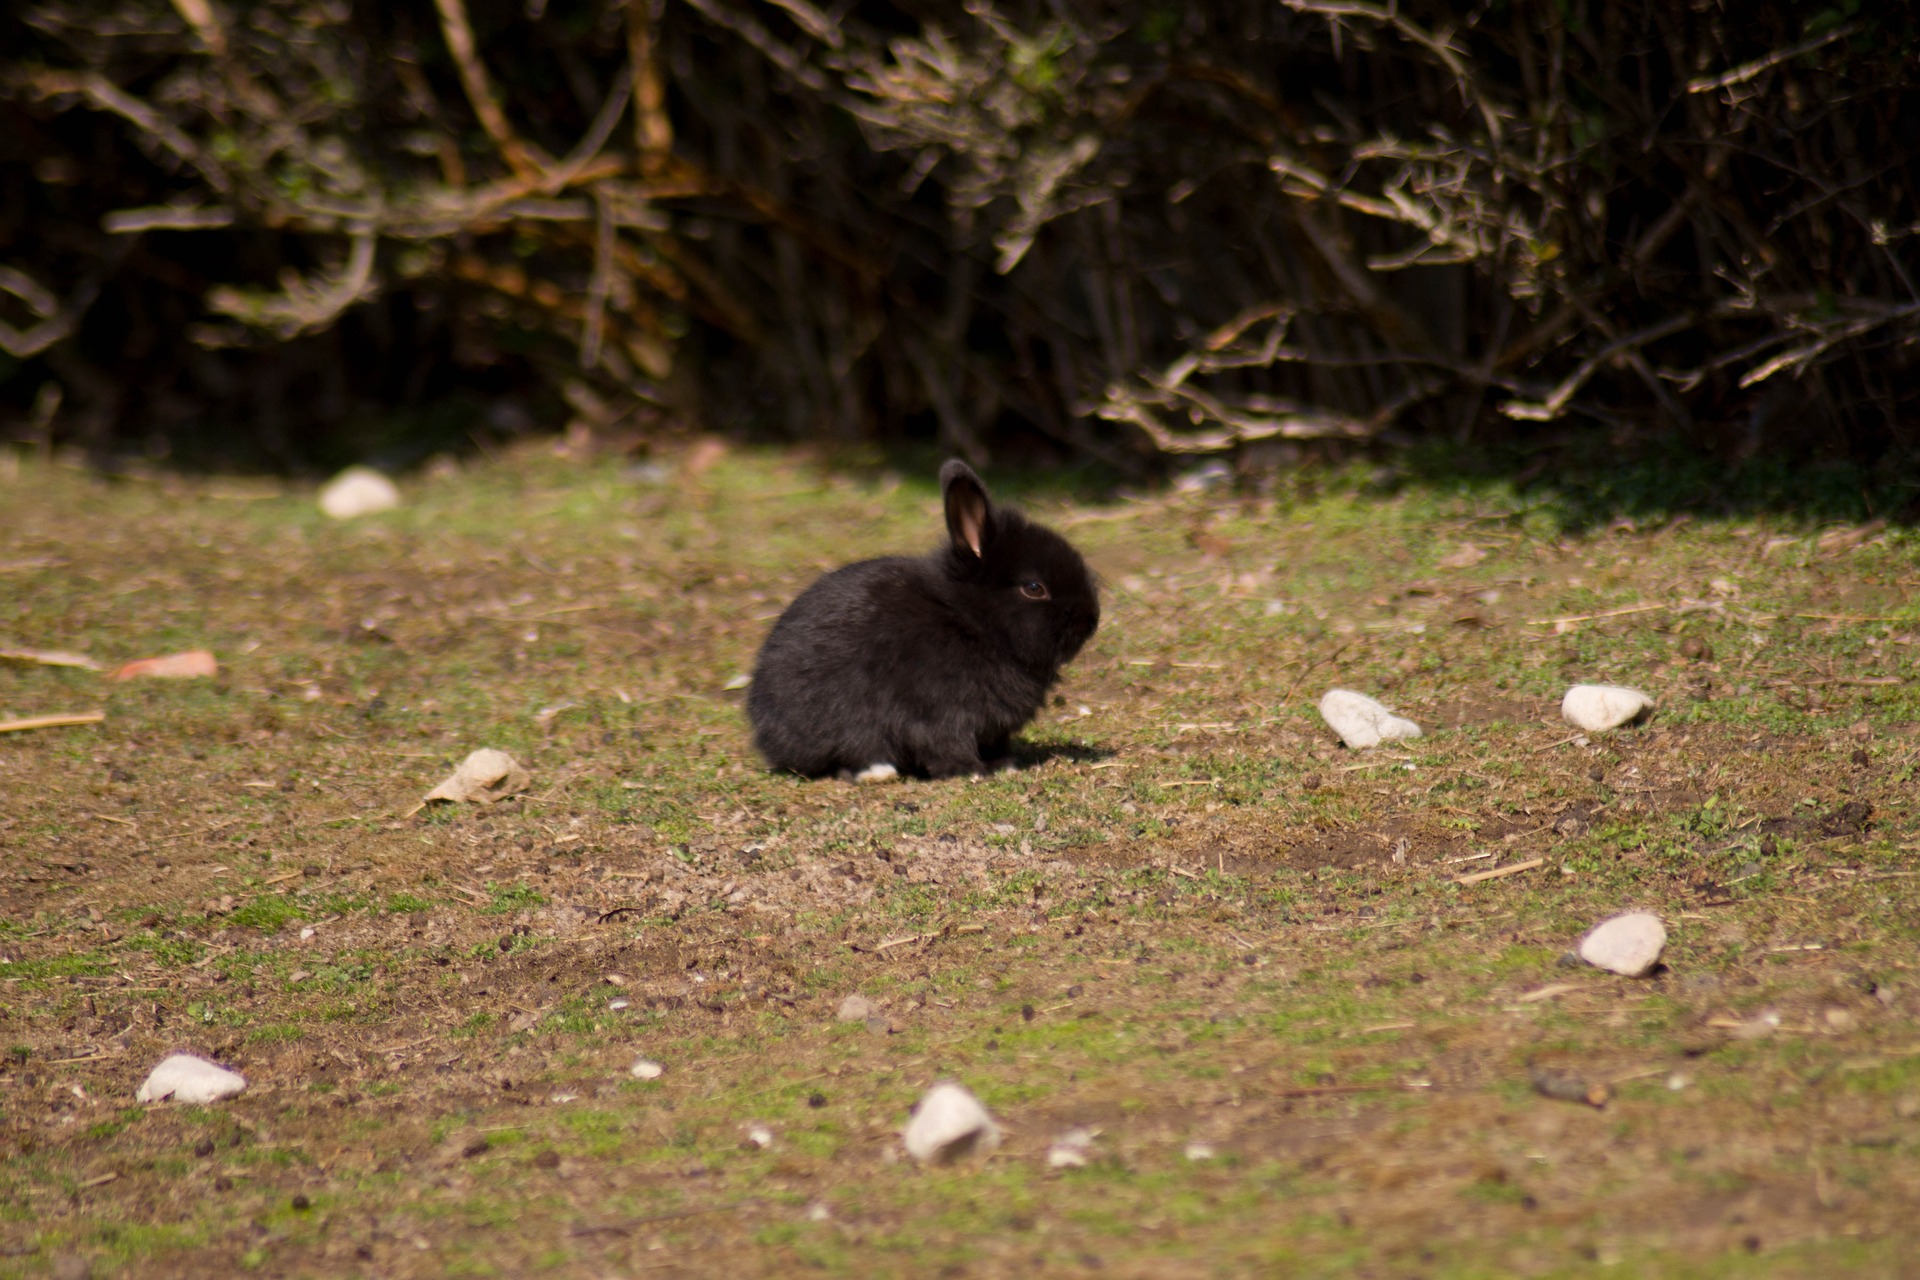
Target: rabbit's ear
x=969, y=513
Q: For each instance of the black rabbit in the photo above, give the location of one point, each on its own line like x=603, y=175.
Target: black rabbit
x=927, y=665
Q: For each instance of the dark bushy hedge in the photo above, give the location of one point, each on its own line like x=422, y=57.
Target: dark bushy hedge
x=295, y=231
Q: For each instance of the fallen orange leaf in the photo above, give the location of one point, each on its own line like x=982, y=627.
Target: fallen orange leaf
x=176, y=666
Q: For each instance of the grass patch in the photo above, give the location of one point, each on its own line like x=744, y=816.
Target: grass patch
x=1190, y=921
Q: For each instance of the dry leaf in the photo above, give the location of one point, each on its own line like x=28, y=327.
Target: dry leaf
x=174, y=666
x=49, y=658
x=51, y=722
x=483, y=777
x=1208, y=543
x=1465, y=557
x=1835, y=541
x=705, y=452
x=1568, y=1086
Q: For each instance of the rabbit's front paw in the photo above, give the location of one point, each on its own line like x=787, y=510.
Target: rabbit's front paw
x=956, y=763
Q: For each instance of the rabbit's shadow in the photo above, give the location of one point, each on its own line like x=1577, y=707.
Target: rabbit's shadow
x=1027, y=755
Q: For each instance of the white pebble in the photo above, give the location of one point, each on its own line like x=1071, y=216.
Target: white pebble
x=646, y=1069
x=186, y=1078
x=1598, y=707
x=1198, y=1151
x=758, y=1135
x=484, y=776
x=1758, y=1027
x=1071, y=1150
x=1362, y=722
x=950, y=1123
x=1629, y=944
x=358, y=491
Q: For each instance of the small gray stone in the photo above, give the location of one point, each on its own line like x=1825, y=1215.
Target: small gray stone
x=857, y=1008
x=1627, y=944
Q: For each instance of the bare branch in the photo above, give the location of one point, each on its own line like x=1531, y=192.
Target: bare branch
x=58, y=322
x=604, y=238
x=1239, y=419
x=108, y=97
x=166, y=217
x=473, y=77
x=1747, y=71
x=563, y=175
x=1801, y=356
x=22, y=345
x=1440, y=46
x=304, y=305
x=799, y=69
x=1045, y=172
x=815, y=23
x=652, y=129
x=1556, y=402
x=1393, y=321
x=957, y=432
x=200, y=16
x=39, y=299
x=1279, y=421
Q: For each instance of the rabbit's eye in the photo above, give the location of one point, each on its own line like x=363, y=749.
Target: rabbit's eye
x=1034, y=589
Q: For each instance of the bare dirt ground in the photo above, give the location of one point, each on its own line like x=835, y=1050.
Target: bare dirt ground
x=1191, y=922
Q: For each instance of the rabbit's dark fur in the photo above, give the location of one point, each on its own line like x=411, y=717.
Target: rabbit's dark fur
x=928, y=664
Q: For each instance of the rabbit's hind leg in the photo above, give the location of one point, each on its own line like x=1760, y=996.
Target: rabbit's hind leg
x=954, y=758
x=997, y=754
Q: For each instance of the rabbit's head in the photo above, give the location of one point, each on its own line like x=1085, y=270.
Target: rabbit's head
x=1021, y=582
